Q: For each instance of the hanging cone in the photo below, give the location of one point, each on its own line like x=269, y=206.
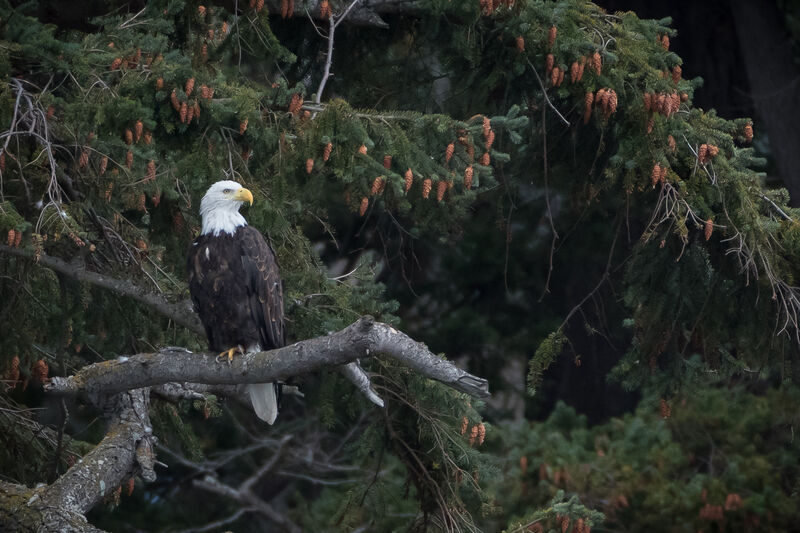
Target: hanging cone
x=448, y=152
x=364, y=205
x=441, y=188
x=427, y=184
x=409, y=179
x=309, y=165
x=326, y=152
x=468, y=173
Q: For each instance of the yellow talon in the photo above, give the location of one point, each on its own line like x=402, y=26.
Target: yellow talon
x=229, y=353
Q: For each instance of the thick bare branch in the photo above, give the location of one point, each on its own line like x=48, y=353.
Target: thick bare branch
x=363, y=338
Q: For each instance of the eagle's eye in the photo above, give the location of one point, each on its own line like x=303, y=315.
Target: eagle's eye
x=226, y=191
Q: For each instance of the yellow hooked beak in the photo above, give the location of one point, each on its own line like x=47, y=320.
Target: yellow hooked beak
x=243, y=195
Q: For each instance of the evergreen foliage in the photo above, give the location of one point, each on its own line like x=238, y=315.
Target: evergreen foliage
x=646, y=212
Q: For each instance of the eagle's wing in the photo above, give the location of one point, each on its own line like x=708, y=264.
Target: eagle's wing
x=196, y=288
x=264, y=287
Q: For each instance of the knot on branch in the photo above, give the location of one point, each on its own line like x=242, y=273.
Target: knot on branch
x=364, y=324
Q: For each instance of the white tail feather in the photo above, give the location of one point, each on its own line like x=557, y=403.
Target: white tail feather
x=265, y=404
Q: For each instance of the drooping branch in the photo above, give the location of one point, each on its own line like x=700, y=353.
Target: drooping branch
x=364, y=338
x=181, y=311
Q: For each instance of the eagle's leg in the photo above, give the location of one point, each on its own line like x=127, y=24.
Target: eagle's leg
x=228, y=354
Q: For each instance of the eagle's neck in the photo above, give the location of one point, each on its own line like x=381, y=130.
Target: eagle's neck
x=217, y=220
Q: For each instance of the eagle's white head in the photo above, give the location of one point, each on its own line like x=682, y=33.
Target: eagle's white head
x=219, y=208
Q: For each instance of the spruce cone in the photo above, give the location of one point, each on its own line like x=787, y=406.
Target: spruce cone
x=684, y=97
x=189, y=113
x=549, y=62
x=184, y=112
x=473, y=434
x=665, y=42
x=201, y=10
x=50, y=112
x=748, y=133
x=672, y=144
x=324, y=9
x=663, y=178
x=326, y=152
x=12, y=236
x=574, y=72
x=83, y=160
x=702, y=153
x=648, y=101
x=309, y=165
x=409, y=179
x=116, y=63
x=676, y=73
x=490, y=139
x=664, y=408
x=468, y=173
x=128, y=134
x=464, y=425
x=362, y=149
x=377, y=185
x=243, y=126
x=441, y=188
x=427, y=184
x=151, y=171
x=655, y=175
x=481, y=433
x=709, y=229
x=487, y=126
x=176, y=104
x=189, y=87
x=520, y=44
x=387, y=161
x=588, y=99
x=103, y=164
x=159, y=84
x=295, y=104
x=129, y=159
x=448, y=153
x=363, y=207
x=485, y=159
x=597, y=63
x=40, y=371
x=138, y=129
x=196, y=109
x=551, y=36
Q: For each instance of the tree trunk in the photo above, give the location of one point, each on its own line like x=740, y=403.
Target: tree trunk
x=768, y=59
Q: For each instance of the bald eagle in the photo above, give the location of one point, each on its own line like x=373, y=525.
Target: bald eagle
x=235, y=286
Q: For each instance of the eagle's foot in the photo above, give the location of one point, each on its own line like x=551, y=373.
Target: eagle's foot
x=228, y=354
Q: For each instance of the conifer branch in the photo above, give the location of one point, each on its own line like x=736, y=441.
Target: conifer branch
x=364, y=338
